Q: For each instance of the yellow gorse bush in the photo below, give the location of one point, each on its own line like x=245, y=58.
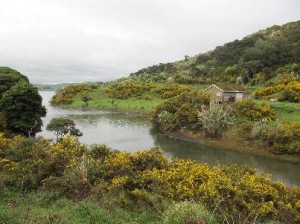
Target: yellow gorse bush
x=285, y=92
x=144, y=179
x=255, y=112
x=283, y=138
x=5, y=144
x=67, y=94
x=124, y=90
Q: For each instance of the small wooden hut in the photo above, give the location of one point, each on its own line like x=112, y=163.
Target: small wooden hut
x=228, y=93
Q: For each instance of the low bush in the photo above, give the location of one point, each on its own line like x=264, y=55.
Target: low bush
x=180, y=112
x=284, y=138
x=255, y=112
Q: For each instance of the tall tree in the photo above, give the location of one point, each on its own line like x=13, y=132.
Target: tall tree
x=22, y=108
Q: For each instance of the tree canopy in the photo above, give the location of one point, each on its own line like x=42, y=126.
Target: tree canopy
x=20, y=104
x=63, y=126
x=10, y=77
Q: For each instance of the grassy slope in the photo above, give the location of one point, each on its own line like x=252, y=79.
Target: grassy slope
x=100, y=100
x=286, y=111
x=41, y=207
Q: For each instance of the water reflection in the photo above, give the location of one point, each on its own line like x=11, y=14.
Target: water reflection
x=131, y=132
x=280, y=170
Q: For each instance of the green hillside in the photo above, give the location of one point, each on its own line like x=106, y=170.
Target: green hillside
x=253, y=59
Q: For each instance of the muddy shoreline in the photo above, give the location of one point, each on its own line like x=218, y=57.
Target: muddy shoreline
x=252, y=147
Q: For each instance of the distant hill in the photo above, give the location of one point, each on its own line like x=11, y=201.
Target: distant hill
x=52, y=87
x=256, y=56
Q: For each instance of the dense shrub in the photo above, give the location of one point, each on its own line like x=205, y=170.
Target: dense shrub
x=145, y=180
x=124, y=90
x=180, y=112
x=30, y=161
x=291, y=92
x=250, y=195
x=255, y=112
x=283, y=92
x=284, y=138
x=67, y=94
x=171, y=90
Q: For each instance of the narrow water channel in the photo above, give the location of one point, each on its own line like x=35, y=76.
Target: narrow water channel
x=129, y=132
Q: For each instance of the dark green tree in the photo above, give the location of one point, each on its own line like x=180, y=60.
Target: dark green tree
x=9, y=77
x=86, y=99
x=63, y=126
x=22, y=107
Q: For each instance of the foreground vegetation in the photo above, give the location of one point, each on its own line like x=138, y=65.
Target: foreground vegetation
x=144, y=187
x=43, y=207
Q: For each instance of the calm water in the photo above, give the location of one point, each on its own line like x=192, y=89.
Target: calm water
x=132, y=132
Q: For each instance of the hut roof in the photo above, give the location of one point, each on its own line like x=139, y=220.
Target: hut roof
x=230, y=88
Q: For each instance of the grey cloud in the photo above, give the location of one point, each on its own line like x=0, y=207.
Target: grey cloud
x=54, y=41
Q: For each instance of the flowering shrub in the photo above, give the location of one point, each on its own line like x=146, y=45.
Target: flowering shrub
x=242, y=194
x=284, y=138
x=29, y=161
x=67, y=94
x=171, y=90
x=145, y=179
x=255, y=112
x=284, y=92
x=266, y=91
x=291, y=92
x=124, y=90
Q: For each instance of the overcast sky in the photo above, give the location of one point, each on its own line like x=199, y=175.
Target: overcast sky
x=53, y=41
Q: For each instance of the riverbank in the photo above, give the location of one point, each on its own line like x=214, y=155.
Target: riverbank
x=230, y=142
x=251, y=147
x=143, y=106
